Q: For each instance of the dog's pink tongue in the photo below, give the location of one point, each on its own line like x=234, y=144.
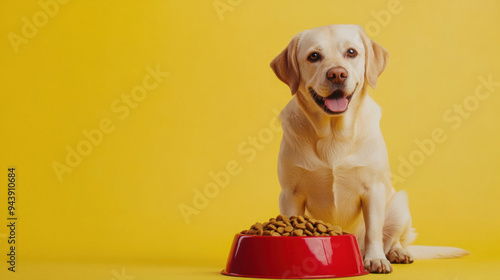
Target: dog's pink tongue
x=337, y=105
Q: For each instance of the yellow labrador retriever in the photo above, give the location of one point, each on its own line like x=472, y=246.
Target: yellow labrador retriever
x=333, y=162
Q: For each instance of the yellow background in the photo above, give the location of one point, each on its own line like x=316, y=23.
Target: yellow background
x=119, y=207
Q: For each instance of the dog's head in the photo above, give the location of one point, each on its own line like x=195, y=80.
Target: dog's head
x=329, y=65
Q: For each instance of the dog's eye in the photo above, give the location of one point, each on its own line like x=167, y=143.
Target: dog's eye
x=352, y=53
x=314, y=57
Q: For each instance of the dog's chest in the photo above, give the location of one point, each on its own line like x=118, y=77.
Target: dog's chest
x=332, y=198
x=333, y=151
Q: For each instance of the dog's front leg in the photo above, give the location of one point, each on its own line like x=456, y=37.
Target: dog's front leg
x=373, y=205
x=291, y=203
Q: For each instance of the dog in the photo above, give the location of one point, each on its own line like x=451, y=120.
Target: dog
x=333, y=163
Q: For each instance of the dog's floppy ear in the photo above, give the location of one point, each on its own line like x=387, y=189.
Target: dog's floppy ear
x=285, y=65
x=376, y=58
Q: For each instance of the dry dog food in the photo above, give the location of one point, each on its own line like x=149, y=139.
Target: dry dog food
x=294, y=226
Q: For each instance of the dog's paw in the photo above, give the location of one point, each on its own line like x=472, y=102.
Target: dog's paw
x=378, y=265
x=399, y=255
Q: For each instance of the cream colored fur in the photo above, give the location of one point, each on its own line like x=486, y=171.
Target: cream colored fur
x=335, y=167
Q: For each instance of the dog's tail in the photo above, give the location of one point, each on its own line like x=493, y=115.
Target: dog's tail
x=436, y=252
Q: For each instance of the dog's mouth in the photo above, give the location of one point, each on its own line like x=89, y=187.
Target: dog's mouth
x=335, y=103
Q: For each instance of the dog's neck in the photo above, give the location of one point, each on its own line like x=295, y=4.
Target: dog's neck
x=327, y=126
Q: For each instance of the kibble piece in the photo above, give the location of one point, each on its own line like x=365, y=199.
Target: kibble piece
x=309, y=226
x=288, y=223
x=280, y=229
x=308, y=233
x=280, y=224
x=251, y=231
x=316, y=234
x=281, y=218
x=258, y=226
x=337, y=230
x=271, y=226
x=288, y=229
x=286, y=234
x=275, y=234
x=267, y=232
x=321, y=228
x=298, y=232
x=301, y=219
x=293, y=217
x=301, y=226
x=260, y=232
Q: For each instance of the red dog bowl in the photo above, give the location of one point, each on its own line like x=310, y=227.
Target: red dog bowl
x=292, y=257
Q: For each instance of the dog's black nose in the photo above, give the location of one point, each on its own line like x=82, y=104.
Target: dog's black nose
x=336, y=75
